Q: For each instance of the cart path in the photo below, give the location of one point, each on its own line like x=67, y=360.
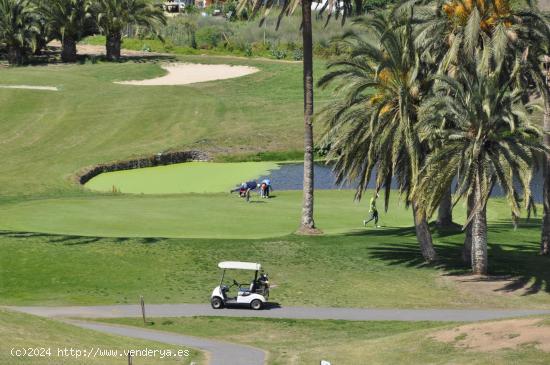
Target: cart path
x=349, y=314
x=218, y=352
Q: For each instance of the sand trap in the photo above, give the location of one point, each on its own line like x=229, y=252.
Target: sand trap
x=494, y=336
x=190, y=73
x=29, y=87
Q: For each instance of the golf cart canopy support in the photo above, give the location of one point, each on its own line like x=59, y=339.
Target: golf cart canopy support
x=240, y=265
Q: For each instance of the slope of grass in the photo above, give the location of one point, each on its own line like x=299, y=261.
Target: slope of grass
x=23, y=332
x=308, y=341
x=46, y=137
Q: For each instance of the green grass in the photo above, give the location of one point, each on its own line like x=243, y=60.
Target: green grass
x=193, y=177
x=191, y=216
x=341, y=342
x=62, y=244
x=361, y=268
x=48, y=137
x=20, y=331
x=203, y=215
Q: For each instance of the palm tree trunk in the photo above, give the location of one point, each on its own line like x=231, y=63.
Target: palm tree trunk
x=423, y=234
x=15, y=56
x=307, y=222
x=358, y=7
x=112, y=46
x=467, y=248
x=445, y=212
x=68, y=51
x=479, y=234
x=545, y=235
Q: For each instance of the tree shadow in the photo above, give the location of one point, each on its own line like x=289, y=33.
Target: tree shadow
x=67, y=240
x=516, y=265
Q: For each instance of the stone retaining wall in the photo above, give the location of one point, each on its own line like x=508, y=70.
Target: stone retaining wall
x=160, y=159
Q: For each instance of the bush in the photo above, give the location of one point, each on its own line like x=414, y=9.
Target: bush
x=298, y=54
x=208, y=37
x=278, y=54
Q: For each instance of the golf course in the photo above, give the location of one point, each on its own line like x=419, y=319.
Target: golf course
x=132, y=180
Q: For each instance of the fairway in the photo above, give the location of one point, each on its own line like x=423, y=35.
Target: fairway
x=190, y=177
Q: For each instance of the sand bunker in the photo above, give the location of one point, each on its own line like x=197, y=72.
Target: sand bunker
x=190, y=73
x=494, y=336
x=29, y=87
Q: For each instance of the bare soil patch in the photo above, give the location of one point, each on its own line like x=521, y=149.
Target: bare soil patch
x=487, y=285
x=94, y=50
x=494, y=336
x=190, y=73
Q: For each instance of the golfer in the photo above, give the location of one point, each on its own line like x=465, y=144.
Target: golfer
x=373, y=212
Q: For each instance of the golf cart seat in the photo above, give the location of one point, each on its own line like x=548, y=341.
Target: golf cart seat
x=247, y=291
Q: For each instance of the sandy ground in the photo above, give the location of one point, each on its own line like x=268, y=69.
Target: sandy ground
x=494, y=336
x=93, y=50
x=190, y=73
x=29, y=87
x=487, y=285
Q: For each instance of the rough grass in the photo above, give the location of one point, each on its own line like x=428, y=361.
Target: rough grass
x=22, y=331
x=341, y=342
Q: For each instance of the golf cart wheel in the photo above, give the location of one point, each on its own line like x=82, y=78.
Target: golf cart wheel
x=256, y=304
x=216, y=303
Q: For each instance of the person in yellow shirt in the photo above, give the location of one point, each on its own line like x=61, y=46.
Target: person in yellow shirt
x=373, y=212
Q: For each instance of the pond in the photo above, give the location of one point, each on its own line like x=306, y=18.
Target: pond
x=209, y=177
x=289, y=177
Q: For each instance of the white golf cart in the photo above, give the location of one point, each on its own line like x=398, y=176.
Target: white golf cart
x=254, y=295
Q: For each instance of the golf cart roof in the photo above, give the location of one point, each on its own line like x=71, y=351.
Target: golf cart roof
x=239, y=265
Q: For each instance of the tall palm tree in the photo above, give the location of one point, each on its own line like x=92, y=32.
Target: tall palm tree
x=450, y=31
x=488, y=139
x=380, y=84
x=67, y=21
x=545, y=234
x=17, y=28
x=113, y=15
x=332, y=8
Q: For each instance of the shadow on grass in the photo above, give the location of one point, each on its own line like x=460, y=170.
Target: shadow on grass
x=72, y=240
x=513, y=262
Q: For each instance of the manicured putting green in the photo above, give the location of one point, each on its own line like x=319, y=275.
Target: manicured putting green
x=190, y=177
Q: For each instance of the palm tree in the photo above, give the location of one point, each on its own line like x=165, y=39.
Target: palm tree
x=113, y=15
x=545, y=235
x=488, y=139
x=67, y=21
x=450, y=31
x=17, y=28
x=380, y=84
x=332, y=8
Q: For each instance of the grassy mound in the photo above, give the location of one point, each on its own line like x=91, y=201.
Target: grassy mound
x=21, y=331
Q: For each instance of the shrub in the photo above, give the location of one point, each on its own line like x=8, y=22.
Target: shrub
x=298, y=54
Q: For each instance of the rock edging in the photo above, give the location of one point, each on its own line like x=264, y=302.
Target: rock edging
x=160, y=159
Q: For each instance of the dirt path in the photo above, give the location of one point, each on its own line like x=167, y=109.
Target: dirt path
x=94, y=50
